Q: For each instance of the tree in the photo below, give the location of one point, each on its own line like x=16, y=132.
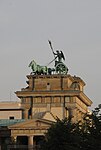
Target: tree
x=65, y=135
x=93, y=130
x=62, y=135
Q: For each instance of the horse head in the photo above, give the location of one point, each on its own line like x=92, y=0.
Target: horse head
x=33, y=65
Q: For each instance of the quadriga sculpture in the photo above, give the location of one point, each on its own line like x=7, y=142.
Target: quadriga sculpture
x=37, y=69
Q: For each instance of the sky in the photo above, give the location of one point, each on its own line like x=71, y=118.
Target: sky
x=73, y=26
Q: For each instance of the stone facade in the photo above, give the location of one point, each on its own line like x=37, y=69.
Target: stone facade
x=10, y=110
x=62, y=95
x=46, y=98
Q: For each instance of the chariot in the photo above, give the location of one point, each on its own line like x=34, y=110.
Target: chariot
x=60, y=68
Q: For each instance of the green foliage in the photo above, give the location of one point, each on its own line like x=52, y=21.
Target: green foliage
x=64, y=135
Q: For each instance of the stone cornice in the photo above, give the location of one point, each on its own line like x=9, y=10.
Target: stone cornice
x=72, y=78
x=47, y=76
x=85, y=99
x=29, y=124
x=47, y=93
x=77, y=93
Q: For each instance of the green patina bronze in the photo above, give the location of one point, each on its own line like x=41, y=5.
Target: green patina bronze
x=60, y=67
x=37, y=69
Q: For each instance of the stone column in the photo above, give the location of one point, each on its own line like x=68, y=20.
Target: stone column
x=25, y=114
x=79, y=116
x=14, y=138
x=63, y=107
x=72, y=114
x=30, y=142
x=14, y=141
